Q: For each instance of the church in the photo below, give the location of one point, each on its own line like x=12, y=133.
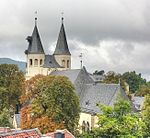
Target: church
x=40, y=63
x=90, y=90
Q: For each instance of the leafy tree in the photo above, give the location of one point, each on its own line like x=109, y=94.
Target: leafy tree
x=146, y=115
x=134, y=80
x=101, y=72
x=11, y=85
x=5, y=118
x=143, y=90
x=117, y=122
x=54, y=98
x=112, y=77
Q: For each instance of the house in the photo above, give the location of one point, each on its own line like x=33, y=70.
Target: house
x=31, y=133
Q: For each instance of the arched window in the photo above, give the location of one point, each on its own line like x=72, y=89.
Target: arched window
x=87, y=127
x=67, y=63
x=63, y=63
x=41, y=62
x=30, y=62
x=36, y=62
x=83, y=126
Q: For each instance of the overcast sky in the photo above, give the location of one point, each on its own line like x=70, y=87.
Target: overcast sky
x=111, y=34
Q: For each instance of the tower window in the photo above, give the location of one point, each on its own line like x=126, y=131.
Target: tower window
x=30, y=62
x=63, y=63
x=36, y=62
x=67, y=63
x=41, y=62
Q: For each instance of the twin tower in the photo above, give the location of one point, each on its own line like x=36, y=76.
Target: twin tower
x=40, y=63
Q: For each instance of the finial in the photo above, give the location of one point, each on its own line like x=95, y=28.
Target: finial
x=81, y=59
x=62, y=18
x=35, y=17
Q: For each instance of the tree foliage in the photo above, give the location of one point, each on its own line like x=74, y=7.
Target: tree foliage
x=134, y=80
x=11, y=85
x=117, y=122
x=52, y=98
x=146, y=115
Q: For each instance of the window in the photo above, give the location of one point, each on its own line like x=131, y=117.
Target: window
x=41, y=62
x=67, y=63
x=35, y=62
x=87, y=127
x=63, y=63
x=30, y=60
x=83, y=126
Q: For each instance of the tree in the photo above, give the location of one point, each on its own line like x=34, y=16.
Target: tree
x=134, y=80
x=11, y=85
x=117, y=121
x=54, y=98
x=143, y=90
x=112, y=77
x=5, y=118
x=146, y=115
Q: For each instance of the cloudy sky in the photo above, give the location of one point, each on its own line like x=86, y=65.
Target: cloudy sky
x=111, y=34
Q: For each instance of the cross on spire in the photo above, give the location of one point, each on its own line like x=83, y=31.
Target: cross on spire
x=35, y=17
x=62, y=18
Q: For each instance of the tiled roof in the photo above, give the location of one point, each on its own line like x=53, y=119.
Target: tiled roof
x=66, y=133
x=50, y=62
x=31, y=133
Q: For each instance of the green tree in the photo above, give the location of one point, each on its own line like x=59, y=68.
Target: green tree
x=54, y=97
x=143, y=90
x=5, y=118
x=11, y=85
x=146, y=115
x=117, y=122
x=134, y=80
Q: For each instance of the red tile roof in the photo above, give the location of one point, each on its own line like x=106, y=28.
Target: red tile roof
x=66, y=133
x=31, y=133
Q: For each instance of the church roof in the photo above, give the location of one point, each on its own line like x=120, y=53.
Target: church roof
x=71, y=74
x=91, y=93
x=62, y=46
x=50, y=62
x=35, y=44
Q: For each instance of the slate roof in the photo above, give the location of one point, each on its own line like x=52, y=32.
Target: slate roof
x=91, y=93
x=18, y=120
x=35, y=45
x=71, y=74
x=99, y=93
x=62, y=46
x=50, y=62
x=138, y=102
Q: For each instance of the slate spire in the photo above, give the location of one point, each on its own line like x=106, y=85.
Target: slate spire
x=62, y=46
x=35, y=45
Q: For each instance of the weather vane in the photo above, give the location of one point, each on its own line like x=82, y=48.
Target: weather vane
x=62, y=18
x=35, y=17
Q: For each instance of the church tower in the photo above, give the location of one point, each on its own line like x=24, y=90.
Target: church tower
x=35, y=54
x=62, y=53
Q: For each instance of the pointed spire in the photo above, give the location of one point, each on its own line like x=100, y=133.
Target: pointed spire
x=35, y=45
x=62, y=46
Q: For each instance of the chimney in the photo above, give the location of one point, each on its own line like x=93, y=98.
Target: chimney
x=59, y=135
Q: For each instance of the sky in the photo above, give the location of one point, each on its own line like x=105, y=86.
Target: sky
x=113, y=35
